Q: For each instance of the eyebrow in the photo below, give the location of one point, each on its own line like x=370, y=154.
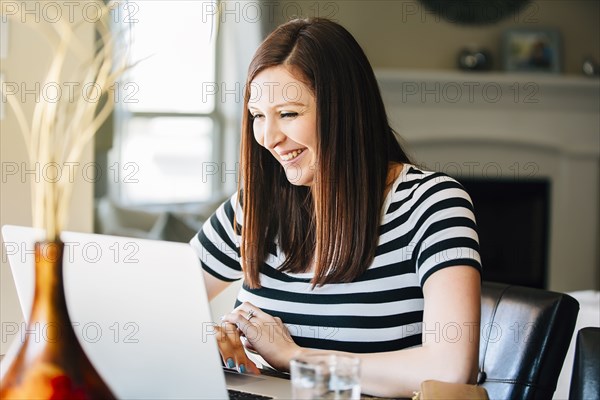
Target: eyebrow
x=291, y=103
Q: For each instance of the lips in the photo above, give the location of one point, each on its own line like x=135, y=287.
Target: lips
x=291, y=155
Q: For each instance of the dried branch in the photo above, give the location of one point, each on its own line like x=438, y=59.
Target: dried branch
x=59, y=131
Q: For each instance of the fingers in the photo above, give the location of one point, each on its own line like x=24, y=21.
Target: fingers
x=246, y=317
x=248, y=311
x=249, y=346
x=232, y=349
x=248, y=328
x=264, y=333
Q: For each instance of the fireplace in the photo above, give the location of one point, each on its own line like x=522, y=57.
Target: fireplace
x=527, y=149
x=512, y=219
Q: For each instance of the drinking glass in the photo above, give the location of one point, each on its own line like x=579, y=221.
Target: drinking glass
x=325, y=376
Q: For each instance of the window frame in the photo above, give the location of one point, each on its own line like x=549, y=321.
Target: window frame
x=121, y=115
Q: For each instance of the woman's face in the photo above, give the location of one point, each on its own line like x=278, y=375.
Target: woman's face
x=285, y=122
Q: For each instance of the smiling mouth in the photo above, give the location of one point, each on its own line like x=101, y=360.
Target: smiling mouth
x=291, y=155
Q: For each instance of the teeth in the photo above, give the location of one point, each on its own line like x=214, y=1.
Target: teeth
x=291, y=155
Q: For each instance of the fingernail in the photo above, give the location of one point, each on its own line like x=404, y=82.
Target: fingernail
x=242, y=369
x=230, y=363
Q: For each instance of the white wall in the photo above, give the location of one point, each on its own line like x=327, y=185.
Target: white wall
x=28, y=56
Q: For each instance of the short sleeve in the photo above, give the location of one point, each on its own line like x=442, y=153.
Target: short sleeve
x=217, y=244
x=446, y=231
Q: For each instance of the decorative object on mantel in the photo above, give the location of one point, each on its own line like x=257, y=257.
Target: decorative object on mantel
x=474, y=12
x=531, y=50
x=590, y=67
x=57, y=366
x=474, y=60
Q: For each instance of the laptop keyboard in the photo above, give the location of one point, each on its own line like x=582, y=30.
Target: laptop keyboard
x=236, y=395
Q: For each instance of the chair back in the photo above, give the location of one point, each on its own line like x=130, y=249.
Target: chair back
x=585, y=381
x=525, y=335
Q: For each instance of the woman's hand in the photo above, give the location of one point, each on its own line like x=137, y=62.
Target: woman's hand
x=232, y=349
x=265, y=334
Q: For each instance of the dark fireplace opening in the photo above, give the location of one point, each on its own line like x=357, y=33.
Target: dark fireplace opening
x=513, y=221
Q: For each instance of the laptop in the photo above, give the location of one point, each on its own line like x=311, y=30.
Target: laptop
x=140, y=310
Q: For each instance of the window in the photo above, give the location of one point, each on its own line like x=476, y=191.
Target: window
x=166, y=132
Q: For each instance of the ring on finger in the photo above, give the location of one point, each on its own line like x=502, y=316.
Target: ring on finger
x=250, y=315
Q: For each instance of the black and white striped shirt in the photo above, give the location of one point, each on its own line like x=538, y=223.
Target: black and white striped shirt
x=427, y=224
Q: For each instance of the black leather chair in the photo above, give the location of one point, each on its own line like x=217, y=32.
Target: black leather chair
x=525, y=336
x=585, y=381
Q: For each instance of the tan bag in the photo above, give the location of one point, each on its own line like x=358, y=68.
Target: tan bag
x=437, y=390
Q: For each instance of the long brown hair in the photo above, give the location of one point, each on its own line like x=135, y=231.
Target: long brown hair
x=335, y=222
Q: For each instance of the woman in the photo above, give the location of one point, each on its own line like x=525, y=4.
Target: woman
x=343, y=245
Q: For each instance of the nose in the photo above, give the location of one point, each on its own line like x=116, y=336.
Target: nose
x=272, y=134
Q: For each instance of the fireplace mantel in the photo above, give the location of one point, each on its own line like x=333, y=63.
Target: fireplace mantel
x=506, y=125
x=551, y=111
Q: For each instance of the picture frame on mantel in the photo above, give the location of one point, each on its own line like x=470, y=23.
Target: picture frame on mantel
x=531, y=50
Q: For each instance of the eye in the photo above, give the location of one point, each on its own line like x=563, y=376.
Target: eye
x=289, y=114
x=256, y=116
